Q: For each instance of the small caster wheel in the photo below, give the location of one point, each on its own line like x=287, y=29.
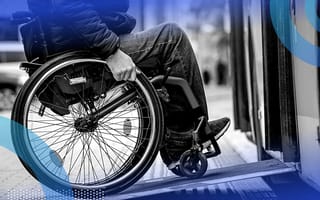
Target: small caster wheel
x=193, y=164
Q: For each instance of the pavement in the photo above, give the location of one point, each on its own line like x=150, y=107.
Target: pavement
x=16, y=183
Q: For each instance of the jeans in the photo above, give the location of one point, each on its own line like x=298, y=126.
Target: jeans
x=171, y=46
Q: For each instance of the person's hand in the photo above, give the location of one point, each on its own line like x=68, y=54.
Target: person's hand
x=122, y=67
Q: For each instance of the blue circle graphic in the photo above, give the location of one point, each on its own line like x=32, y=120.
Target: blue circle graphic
x=6, y=142
x=280, y=12
x=311, y=13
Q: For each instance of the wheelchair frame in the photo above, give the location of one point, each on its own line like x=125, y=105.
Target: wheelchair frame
x=192, y=164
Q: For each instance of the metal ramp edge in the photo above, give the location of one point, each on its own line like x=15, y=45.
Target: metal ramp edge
x=212, y=177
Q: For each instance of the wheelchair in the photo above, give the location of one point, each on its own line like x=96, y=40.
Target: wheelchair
x=102, y=133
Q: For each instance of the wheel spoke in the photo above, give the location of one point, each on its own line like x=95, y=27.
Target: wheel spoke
x=92, y=151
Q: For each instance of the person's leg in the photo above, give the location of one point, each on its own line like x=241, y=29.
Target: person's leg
x=170, y=45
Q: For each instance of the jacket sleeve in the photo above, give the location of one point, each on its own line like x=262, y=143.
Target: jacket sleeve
x=84, y=20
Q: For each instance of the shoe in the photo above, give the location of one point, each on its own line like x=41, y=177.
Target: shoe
x=218, y=128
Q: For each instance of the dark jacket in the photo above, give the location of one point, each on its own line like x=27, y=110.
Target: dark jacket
x=83, y=24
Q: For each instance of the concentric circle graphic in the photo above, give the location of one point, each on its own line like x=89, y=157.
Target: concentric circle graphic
x=280, y=12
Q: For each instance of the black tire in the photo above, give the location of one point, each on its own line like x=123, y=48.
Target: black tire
x=193, y=164
x=138, y=149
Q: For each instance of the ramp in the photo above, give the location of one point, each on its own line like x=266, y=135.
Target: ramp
x=212, y=177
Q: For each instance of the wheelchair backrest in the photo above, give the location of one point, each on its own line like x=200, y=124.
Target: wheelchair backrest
x=33, y=35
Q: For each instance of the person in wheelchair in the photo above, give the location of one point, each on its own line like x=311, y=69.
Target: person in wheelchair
x=104, y=28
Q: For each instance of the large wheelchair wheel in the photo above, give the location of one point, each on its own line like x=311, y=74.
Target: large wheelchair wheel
x=83, y=129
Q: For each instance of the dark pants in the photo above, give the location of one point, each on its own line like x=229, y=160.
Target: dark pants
x=170, y=45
